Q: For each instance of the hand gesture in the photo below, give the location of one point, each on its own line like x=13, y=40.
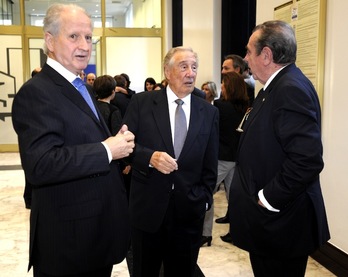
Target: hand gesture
x=122, y=144
x=163, y=162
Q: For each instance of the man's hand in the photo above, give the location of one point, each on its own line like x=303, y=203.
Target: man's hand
x=122, y=144
x=163, y=162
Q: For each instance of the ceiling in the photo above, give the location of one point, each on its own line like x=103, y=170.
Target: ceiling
x=113, y=7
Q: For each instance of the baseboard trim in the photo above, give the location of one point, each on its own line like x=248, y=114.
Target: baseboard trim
x=333, y=259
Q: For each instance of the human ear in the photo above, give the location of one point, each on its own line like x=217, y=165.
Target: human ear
x=267, y=55
x=49, y=40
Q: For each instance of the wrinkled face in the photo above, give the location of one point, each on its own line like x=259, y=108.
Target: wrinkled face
x=73, y=45
x=182, y=72
x=255, y=61
x=227, y=66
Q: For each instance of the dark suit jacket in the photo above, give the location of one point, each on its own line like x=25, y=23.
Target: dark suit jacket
x=199, y=93
x=148, y=118
x=121, y=101
x=229, y=119
x=112, y=116
x=280, y=152
x=79, y=220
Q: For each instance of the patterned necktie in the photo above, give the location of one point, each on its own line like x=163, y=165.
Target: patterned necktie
x=180, y=128
x=80, y=86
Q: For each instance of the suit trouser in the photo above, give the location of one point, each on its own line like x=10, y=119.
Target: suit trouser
x=176, y=245
x=27, y=194
x=225, y=172
x=275, y=266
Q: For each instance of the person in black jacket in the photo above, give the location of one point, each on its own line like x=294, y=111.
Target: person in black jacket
x=232, y=105
x=79, y=224
x=276, y=207
x=235, y=63
x=105, y=86
x=171, y=189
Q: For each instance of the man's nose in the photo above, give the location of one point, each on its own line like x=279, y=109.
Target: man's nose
x=191, y=72
x=84, y=43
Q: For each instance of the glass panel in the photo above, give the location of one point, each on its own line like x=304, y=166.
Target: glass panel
x=11, y=78
x=9, y=12
x=133, y=13
x=119, y=13
x=37, y=58
x=123, y=56
x=94, y=62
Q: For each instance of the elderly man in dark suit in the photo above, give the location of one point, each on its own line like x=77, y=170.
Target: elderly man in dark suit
x=171, y=190
x=276, y=206
x=79, y=222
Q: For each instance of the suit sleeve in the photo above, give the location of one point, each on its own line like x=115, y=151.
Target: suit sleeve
x=209, y=170
x=57, y=144
x=296, y=117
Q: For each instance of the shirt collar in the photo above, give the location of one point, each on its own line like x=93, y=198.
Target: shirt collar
x=273, y=76
x=61, y=70
x=172, y=97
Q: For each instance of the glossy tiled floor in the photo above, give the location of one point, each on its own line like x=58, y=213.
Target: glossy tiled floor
x=219, y=260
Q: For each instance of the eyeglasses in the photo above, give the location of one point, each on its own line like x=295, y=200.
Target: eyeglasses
x=245, y=117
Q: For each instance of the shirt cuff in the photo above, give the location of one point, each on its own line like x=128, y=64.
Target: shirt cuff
x=265, y=202
x=107, y=151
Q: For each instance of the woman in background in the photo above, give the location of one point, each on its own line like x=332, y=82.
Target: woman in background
x=149, y=84
x=210, y=91
x=232, y=106
x=105, y=86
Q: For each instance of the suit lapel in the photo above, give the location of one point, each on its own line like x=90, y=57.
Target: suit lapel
x=69, y=91
x=161, y=117
x=261, y=99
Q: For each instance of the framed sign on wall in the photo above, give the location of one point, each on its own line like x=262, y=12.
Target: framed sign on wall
x=308, y=18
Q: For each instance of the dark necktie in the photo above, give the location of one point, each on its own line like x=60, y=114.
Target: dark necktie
x=180, y=128
x=80, y=86
x=260, y=98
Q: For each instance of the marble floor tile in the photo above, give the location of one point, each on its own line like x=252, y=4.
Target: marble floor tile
x=219, y=260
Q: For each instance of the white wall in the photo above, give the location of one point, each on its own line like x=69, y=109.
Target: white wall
x=146, y=14
x=124, y=56
x=335, y=131
x=202, y=32
x=334, y=121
